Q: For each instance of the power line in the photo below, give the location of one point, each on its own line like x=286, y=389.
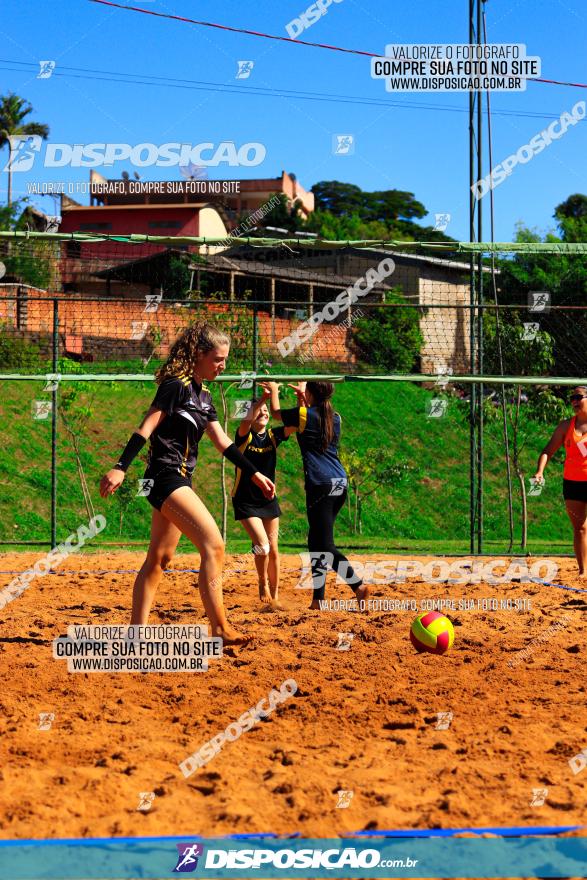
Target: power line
x=225, y=27
x=256, y=91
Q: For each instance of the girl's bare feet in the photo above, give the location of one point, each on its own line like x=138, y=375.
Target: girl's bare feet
x=362, y=594
x=264, y=593
x=230, y=636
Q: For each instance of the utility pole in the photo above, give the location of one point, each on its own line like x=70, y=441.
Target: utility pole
x=476, y=296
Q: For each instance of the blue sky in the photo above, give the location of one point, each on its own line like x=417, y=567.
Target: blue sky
x=422, y=149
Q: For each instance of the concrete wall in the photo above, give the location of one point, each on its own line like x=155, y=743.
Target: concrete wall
x=445, y=330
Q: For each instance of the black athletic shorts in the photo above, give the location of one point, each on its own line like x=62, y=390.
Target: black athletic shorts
x=575, y=490
x=163, y=485
x=270, y=510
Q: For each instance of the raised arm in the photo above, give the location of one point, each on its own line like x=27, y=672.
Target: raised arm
x=300, y=390
x=271, y=389
x=289, y=417
x=555, y=442
x=253, y=413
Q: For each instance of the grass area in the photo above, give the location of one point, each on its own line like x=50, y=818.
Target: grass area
x=426, y=511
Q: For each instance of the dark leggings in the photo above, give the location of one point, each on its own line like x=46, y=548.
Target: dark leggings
x=322, y=509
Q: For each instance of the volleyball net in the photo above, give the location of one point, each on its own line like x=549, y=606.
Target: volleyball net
x=453, y=363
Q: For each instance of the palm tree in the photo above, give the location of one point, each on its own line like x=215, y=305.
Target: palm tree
x=13, y=111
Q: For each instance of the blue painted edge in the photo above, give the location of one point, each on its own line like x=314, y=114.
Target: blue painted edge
x=416, y=832
x=516, y=831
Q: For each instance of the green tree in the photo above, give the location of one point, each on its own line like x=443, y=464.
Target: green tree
x=175, y=278
x=283, y=215
x=383, y=205
x=10, y=213
x=344, y=210
x=572, y=218
x=75, y=406
x=346, y=226
x=368, y=473
x=30, y=262
x=33, y=263
x=18, y=355
x=13, y=112
x=564, y=277
x=124, y=497
x=389, y=338
x=525, y=352
x=392, y=204
x=338, y=198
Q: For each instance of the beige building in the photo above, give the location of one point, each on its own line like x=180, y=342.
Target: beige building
x=235, y=197
x=439, y=287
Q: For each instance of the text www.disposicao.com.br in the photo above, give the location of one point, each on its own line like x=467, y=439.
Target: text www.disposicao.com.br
x=135, y=664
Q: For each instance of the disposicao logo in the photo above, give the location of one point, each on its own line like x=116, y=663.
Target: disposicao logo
x=188, y=855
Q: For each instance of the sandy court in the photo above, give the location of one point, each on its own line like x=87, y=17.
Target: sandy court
x=362, y=721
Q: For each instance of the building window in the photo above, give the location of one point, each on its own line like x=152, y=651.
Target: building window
x=94, y=227
x=164, y=224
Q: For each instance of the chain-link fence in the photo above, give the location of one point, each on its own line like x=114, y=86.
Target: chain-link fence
x=440, y=455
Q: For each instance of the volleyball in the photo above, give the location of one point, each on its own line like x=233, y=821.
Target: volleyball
x=433, y=632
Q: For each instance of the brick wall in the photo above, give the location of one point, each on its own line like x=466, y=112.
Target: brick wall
x=113, y=329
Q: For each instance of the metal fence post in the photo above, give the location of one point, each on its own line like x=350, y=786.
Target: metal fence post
x=255, y=349
x=55, y=393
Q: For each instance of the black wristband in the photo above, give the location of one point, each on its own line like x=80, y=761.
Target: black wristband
x=131, y=450
x=238, y=459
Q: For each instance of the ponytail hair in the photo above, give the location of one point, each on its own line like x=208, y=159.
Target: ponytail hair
x=322, y=392
x=199, y=339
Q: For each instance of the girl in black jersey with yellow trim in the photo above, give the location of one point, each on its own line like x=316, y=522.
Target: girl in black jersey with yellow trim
x=318, y=431
x=259, y=515
x=180, y=414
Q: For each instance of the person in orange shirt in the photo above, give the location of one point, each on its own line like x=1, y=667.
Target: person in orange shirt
x=573, y=434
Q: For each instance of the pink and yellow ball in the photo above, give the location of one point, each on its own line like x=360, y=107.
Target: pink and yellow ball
x=433, y=632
